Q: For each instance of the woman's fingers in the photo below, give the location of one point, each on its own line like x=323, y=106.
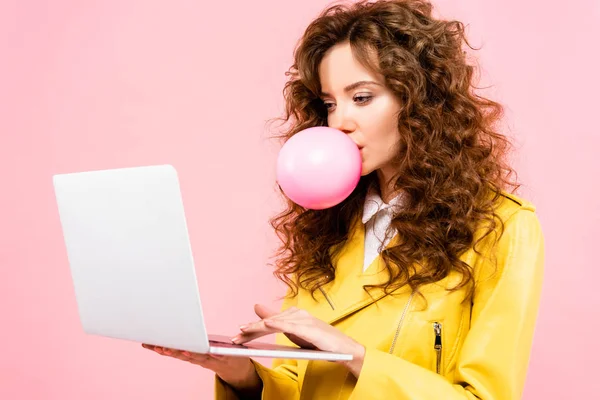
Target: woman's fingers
x=209, y=361
x=285, y=326
x=163, y=351
x=156, y=349
x=254, y=333
x=289, y=319
x=259, y=329
x=257, y=325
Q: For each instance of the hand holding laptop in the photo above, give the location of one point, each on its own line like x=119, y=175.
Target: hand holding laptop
x=298, y=325
x=238, y=372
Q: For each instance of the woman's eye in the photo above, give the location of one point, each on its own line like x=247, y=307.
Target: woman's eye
x=362, y=99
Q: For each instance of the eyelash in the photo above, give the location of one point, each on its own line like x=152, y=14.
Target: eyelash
x=365, y=100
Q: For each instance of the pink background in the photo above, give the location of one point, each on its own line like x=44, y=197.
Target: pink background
x=103, y=84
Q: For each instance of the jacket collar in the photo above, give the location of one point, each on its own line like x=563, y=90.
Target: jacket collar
x=375, y=204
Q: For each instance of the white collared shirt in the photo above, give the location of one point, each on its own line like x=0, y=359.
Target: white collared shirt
x=377, y=216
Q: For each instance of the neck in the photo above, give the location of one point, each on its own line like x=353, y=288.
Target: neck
x=386, y=186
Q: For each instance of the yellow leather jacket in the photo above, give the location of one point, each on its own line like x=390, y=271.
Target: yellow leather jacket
x=449, y=350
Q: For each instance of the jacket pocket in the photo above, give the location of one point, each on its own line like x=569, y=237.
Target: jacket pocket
x=437, y=346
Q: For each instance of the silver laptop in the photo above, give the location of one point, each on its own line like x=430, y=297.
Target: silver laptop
x=131, y=263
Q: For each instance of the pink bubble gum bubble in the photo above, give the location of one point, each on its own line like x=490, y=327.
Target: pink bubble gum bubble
x=319, y=167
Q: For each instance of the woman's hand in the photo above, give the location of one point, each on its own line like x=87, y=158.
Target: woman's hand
x=304, y=330
x=237, y=372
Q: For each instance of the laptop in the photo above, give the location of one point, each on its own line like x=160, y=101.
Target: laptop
x=131, y=263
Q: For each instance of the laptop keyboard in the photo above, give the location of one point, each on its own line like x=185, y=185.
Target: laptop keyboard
x=219, y=343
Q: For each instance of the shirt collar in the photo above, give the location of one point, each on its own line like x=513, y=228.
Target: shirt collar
x=374, y=204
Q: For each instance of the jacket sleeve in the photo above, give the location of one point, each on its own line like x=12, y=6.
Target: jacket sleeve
x=493, y=362
x=279, y=382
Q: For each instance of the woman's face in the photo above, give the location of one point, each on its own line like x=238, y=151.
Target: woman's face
x=367, y=112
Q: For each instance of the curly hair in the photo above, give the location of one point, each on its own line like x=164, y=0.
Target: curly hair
x=452, y=166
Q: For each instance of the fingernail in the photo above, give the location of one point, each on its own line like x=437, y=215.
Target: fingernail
x=242, y=327
x=236, y=339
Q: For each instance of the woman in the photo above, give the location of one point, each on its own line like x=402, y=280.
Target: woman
x=430, y=272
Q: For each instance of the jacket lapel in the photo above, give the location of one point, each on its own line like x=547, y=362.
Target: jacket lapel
x=345, y=295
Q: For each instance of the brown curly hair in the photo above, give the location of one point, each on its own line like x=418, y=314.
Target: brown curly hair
x=452, y=166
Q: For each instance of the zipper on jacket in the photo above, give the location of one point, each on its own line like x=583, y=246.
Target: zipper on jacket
x=400, y=323
x=437, y=329
x=327, y=298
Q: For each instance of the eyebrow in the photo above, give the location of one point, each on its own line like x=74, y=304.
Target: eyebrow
x=354, y=86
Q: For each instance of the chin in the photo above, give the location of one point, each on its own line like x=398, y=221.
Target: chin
x=366, y=170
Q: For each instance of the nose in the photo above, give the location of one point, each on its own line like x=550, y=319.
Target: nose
x=345, y=124
x=342, y=122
